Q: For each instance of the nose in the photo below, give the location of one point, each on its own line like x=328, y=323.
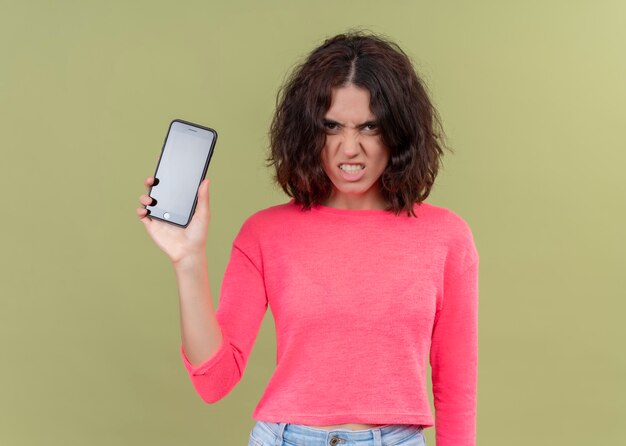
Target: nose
x=350, y=144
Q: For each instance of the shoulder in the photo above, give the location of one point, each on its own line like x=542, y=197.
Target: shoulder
x=455, y=233
x=270, y=215
x=265, y=221
x=452, y=221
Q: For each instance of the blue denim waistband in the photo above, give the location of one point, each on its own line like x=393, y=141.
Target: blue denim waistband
x=390, y=432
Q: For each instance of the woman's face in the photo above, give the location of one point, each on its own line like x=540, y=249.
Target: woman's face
x=353, y=156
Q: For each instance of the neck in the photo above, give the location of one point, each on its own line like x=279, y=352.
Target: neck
x=356, y=203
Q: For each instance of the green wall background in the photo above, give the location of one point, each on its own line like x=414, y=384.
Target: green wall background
x=532, y=97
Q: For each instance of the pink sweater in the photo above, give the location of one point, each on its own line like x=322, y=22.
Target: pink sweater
x=361, y=300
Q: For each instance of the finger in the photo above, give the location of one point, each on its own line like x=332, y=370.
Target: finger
x=146, y=199
x=148, y=182
x=143, y=216
x=204, y=189
x=203, y=196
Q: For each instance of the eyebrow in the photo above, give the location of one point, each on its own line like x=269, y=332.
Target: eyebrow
x=360, y=126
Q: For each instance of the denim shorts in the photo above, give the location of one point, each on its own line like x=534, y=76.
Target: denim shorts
x=266, y=433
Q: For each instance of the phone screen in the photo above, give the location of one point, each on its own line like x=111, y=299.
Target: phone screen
x=183, y=164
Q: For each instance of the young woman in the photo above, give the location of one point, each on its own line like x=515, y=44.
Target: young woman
x=366, y=281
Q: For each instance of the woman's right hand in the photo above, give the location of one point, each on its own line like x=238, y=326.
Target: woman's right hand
x=177, y=242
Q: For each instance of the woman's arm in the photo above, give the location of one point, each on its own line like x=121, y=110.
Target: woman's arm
x=216, y=344
x=200, y=331
x=454, y=360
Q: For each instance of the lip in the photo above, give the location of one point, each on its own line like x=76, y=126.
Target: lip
x=352, y=176
x=352, y=164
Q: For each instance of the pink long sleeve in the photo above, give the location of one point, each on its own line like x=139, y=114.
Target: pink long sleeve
x=240, y=312
x=454, y=359
x=361, y=299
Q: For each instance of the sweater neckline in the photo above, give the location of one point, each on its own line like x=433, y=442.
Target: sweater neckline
x=356, y=212
x=349, y=212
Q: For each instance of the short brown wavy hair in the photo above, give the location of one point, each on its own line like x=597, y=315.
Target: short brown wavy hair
x=410, y=125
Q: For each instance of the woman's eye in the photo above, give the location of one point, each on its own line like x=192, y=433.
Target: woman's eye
x=371, y=127
x=330, y=125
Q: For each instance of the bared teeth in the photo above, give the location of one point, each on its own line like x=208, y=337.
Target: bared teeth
x=351, y=167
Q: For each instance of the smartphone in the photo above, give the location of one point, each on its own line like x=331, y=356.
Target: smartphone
x=183, y=163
